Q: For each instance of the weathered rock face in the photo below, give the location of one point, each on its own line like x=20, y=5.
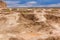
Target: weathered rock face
x=2, y=4
x=18, y=26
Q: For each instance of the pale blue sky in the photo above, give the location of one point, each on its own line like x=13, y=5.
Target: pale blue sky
x=33, y=3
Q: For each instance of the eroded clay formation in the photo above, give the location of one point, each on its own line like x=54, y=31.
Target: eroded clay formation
x=34, y=26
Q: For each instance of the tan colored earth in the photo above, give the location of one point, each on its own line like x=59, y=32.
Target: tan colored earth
x=2, y=4
x=29, y=24
x=36, y=25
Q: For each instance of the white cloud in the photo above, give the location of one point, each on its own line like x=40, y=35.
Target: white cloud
x=16, y=4
x=54, y=5
x=32, y=2
x=29, y=4
x=50, y=5
x=12, y=2
x=24, y=5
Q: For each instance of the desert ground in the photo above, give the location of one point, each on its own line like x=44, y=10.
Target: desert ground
x=29, y=23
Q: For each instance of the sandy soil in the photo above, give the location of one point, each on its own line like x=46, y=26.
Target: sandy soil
x=34, y=26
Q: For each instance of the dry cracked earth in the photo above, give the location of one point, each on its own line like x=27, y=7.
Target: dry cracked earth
x=34, y=26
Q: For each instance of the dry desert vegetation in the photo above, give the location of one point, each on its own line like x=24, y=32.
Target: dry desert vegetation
x=29, y=23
